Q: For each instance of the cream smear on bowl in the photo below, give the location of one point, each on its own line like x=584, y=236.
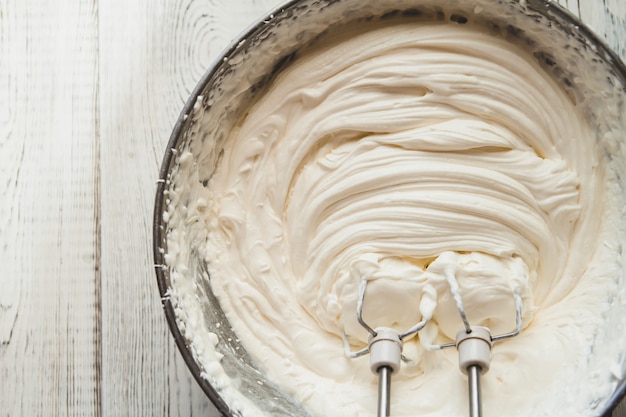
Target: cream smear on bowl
x=403, y=155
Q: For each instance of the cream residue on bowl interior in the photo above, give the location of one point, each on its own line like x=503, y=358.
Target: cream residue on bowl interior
x=407, y=155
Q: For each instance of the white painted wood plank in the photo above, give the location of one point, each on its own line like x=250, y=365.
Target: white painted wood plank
x=48, y=146
x=152, y=55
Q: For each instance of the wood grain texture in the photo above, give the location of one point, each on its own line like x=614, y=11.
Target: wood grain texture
x=48, y=143
x=89, y=93
x=156, y=53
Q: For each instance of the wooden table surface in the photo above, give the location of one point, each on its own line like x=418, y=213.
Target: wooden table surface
x=89, y=93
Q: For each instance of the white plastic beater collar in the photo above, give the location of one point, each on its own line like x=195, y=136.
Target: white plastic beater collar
x=385, y=349
x=474, y=348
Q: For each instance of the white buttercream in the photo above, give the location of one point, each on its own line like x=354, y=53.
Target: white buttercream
x=412, y=156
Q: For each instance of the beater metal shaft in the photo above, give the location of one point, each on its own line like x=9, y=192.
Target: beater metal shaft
x=384, y=391
x=473, y=380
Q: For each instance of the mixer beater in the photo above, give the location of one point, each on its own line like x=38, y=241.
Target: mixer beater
x=385, y=349
x=473, y=344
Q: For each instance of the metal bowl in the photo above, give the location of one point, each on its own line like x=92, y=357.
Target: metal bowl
x=220, y=98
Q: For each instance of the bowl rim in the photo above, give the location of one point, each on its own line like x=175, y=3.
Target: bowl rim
x=176, y=136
